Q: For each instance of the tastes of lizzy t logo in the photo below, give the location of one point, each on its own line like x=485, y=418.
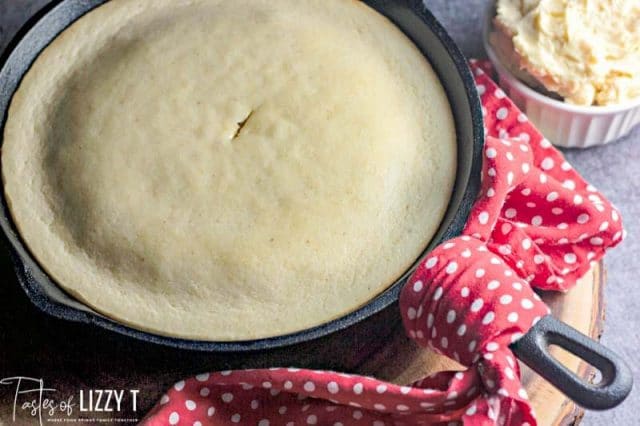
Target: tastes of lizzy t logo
x=32, y=398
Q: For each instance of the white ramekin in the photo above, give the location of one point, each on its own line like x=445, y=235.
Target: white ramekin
x=564, y=124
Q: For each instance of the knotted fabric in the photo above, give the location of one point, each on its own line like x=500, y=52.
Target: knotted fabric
x=535, y=224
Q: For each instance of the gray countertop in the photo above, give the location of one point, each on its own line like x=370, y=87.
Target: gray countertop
x=614, y=169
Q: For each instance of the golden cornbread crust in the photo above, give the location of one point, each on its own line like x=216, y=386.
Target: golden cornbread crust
x=228, y=169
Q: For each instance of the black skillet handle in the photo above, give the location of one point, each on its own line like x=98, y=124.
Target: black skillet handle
x=533, y=350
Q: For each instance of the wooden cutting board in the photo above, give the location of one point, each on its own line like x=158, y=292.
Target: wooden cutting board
x=70, y=357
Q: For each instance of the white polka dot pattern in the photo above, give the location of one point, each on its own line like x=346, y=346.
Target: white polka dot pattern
x=536, y=193
x=537, y=224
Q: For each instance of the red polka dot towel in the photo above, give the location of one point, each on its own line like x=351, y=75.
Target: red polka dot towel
x=536, y=223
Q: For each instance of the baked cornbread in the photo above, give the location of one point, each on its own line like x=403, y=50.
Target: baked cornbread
x=586, y=51
x=228, y=169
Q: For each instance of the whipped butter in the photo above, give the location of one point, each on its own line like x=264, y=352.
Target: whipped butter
x=586, y=51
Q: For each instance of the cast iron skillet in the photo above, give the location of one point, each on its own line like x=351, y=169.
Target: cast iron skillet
x=418, y=23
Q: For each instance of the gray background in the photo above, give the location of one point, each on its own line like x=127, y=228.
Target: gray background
x=613, y=169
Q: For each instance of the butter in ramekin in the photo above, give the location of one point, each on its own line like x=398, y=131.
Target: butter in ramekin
x=586, y=51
